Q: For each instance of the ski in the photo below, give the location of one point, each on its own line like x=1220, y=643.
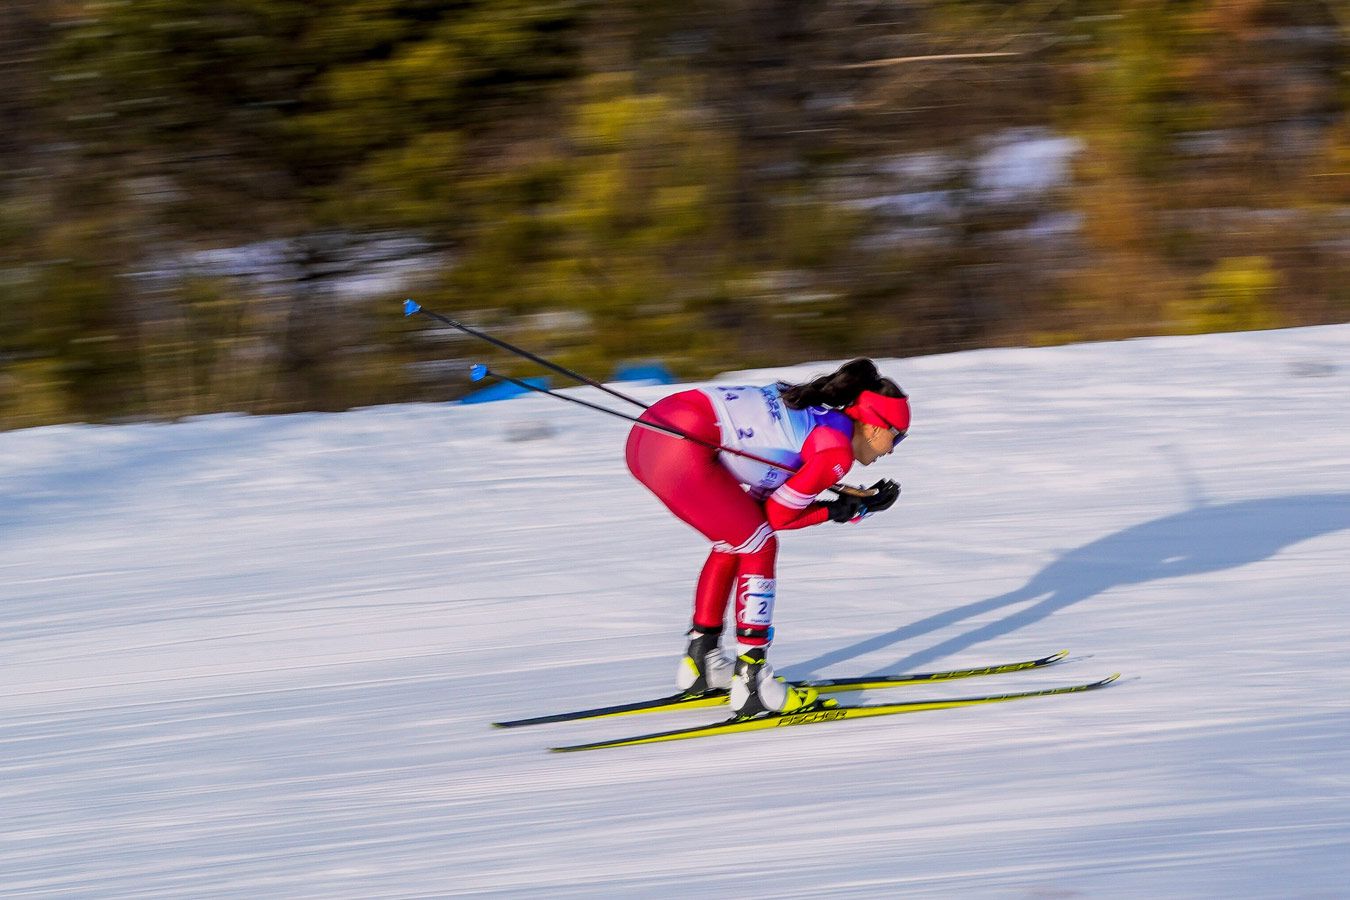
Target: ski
x=824, y=686
x=829, y=714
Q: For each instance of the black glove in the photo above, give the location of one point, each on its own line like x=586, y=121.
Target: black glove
x=845, y=508
x=852, y=507
x=887, y=492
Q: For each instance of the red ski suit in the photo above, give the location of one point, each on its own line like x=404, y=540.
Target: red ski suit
x=694, y=483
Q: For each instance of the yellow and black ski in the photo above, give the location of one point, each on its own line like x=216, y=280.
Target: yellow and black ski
x=829, y=714
x=823, y=686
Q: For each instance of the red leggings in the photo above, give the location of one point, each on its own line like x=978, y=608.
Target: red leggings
x=693, y=485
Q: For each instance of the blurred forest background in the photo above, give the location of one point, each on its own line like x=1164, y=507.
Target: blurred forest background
x=214, y=205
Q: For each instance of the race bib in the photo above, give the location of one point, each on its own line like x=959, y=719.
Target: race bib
x=756, y=598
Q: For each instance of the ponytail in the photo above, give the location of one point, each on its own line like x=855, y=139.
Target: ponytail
x=841, y=388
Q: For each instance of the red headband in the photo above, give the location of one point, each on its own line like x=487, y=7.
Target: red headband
x=881, y=411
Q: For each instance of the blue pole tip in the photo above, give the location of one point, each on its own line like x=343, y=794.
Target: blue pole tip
x=478, y=371
x=410, y=307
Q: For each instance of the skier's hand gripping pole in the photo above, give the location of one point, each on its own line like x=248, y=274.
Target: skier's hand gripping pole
x=854, y=507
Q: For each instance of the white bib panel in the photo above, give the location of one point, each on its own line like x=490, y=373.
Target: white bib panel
x=756, y=420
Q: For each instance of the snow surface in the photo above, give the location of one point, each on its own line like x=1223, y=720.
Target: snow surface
x=254, y=657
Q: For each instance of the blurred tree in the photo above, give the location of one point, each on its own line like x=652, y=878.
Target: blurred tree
x=1201, y=118
x=624, y=225
x=719, y=182
x=24, y=376
x=307, y=123
x=1236, y=296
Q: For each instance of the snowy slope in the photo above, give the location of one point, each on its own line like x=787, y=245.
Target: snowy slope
x=255, y=657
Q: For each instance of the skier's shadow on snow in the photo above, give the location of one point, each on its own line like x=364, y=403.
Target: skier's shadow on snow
x=1205, y=539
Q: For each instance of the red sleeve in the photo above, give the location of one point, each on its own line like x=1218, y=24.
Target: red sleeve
x=827, y=456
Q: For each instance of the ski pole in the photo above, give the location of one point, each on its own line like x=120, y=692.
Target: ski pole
x=411, y=307
x=479, y=371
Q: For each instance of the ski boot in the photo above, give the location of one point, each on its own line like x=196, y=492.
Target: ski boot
x=756, y=691
x=704, y=667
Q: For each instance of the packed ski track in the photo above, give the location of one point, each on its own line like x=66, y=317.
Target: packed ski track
x=249, y=657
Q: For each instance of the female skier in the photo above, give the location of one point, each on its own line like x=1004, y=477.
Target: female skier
x=813, y=433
